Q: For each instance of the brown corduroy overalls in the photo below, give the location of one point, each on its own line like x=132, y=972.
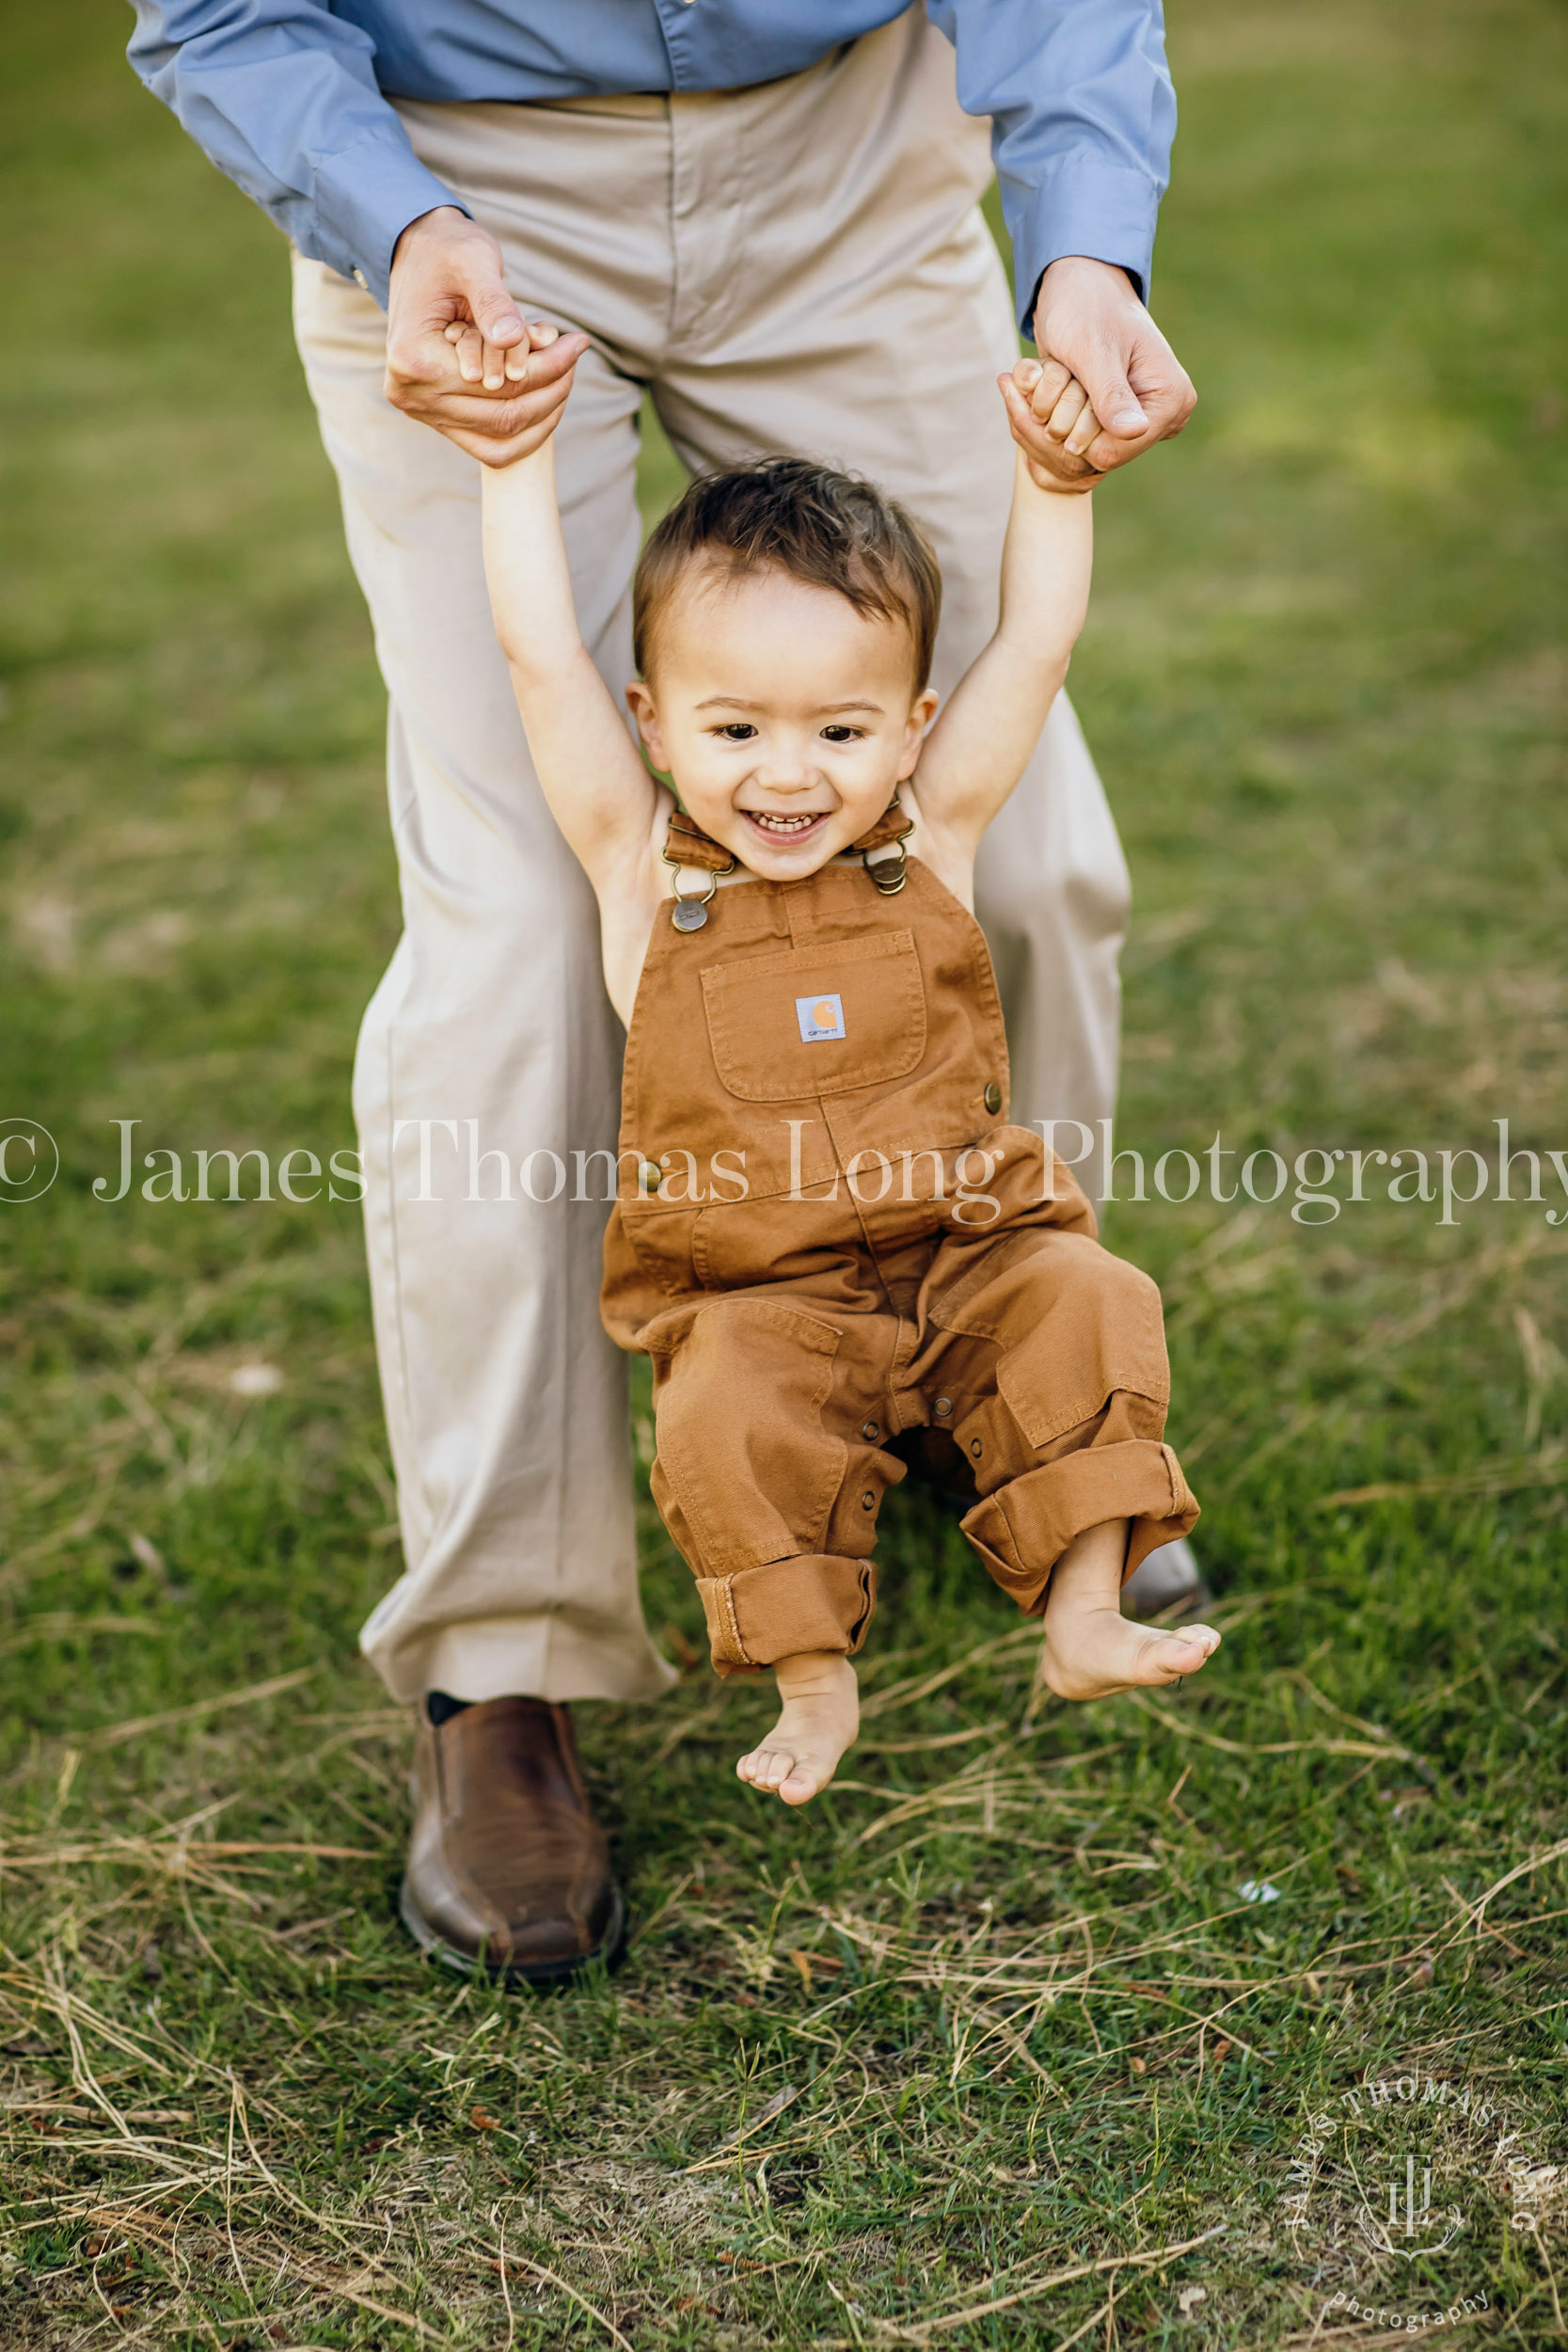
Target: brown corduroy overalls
x=827, y=1235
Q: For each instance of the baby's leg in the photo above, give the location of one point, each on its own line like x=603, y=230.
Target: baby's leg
x=818, y=1720
x=768, y=1474
x=1090, y=1648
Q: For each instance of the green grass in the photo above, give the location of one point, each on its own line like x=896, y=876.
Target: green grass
x=993, y=2011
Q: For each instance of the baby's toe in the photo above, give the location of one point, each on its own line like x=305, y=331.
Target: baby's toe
x=1183, y=1653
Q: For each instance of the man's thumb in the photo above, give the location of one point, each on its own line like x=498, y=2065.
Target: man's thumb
x=494, y=314
x=1114, y=401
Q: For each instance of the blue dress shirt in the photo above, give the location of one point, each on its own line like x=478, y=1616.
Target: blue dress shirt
x=289, y=97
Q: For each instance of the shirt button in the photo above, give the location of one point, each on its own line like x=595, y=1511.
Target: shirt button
x=649, y=1175
x=869, y=1431
x=992, y=1098
x=359, y=279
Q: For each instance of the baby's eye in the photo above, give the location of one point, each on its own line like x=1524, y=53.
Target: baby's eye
x=841, y=734
x=738, y=731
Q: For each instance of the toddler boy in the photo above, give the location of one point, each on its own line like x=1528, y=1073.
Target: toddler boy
x=828, y=1237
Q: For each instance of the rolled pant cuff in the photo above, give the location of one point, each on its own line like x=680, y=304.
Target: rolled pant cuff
x=1022, y=1531
x=814, y=1601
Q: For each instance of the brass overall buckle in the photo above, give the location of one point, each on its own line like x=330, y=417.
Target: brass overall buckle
x=689, y=912
x=890, y=874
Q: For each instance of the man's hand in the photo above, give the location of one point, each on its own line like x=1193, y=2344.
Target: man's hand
x=1103, y=355
x=495, y=389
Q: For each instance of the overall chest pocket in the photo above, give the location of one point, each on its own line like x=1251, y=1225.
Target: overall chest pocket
x=820, y=1020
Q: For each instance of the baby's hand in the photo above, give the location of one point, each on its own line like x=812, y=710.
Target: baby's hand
x=489, y=364
x=523, y=388
x=1049, y=398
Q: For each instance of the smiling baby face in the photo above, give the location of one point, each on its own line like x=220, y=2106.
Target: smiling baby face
x=786, y=718
x=784, y=617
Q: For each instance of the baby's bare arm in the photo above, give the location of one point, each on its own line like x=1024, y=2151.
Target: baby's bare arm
x=984, y=737
x=600, y=794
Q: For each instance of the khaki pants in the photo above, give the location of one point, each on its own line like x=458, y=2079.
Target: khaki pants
x=799, y=266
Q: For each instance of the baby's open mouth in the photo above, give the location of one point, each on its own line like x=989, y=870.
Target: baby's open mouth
x=784, y=828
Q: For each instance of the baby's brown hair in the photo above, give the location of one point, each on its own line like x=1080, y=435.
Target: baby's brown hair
x=829, y=530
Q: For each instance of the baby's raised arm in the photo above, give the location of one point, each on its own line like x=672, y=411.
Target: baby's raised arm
x=984, y=737
x=600, y=794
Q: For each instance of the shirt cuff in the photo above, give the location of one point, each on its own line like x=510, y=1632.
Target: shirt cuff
x=365, y=195
x=1082, y=207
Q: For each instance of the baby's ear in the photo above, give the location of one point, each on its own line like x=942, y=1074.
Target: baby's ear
x=639, y=701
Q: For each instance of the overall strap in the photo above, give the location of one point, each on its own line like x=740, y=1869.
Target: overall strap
x=890, y=871
x=687, y=845
x=891, y=826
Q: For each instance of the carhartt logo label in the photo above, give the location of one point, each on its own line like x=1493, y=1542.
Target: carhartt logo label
x=819, y=1016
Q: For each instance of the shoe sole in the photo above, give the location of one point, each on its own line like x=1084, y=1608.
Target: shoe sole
x=513, y=1972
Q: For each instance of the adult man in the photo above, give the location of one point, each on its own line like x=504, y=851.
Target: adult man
x=766, y=212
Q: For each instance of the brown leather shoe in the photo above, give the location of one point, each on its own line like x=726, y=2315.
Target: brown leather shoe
x=508, y=1871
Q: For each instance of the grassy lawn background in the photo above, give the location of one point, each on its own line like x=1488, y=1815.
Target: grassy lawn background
x=995, y=2010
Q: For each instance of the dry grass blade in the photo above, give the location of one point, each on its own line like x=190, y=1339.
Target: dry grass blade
x=1493, y=1478
x=938, y=1740
x=49, y=1992
x=1380, y=1749
x=727, y=2147
x=538, y=2270
x=117, y=1733
x=369, y=2303
x=921, y=1685
x=52, y=1856
x=56, y=1625
x=1521, y=1870
x=925, y=2329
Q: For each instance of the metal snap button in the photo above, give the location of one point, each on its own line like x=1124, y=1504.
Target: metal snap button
x=869, y=1431
x=975, y=1447
x=869, y=1501
x=649, y=1175
x=992, y=1098
x=945, y=1405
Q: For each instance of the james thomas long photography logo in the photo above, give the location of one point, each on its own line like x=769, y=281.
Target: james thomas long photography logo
x=458, y=1161
x=1403, y=2193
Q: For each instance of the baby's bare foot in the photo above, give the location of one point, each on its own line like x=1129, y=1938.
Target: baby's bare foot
x=818, y=1719
x=1091, y=1653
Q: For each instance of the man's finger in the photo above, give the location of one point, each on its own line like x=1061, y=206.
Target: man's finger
x=492, y=309
x=1166, y=405
x=556, y=361
x=1112, y=398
